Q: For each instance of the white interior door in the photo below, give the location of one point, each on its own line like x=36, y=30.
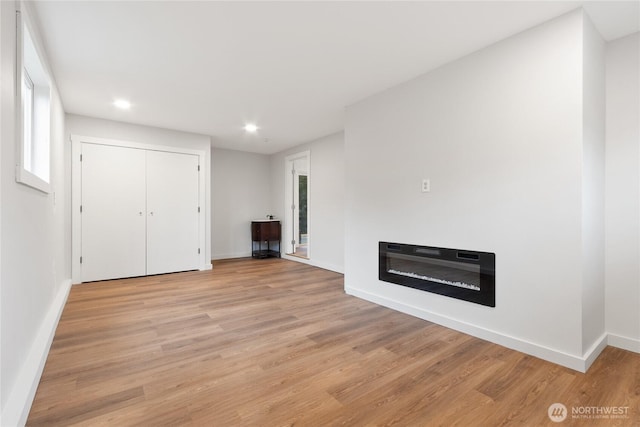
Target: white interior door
x=172, y=212
x=296, y=165
x=113, y=212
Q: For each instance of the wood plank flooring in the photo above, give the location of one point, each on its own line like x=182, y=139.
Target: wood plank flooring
x=273, y=343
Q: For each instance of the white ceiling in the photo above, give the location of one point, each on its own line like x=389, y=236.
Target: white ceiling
x=291, y=67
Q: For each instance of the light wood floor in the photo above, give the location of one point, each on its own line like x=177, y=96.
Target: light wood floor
x=273, y=343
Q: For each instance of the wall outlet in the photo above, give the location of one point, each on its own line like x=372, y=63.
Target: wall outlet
x=426, y=185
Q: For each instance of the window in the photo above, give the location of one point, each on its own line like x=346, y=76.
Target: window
x=27, y=117
x=33, y=109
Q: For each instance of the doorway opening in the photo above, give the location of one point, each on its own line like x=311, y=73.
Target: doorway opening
x=297, y=236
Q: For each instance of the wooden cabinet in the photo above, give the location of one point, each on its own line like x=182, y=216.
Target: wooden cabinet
x=265, y=239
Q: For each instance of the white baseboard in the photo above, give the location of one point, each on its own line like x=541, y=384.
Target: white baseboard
x=18, y=404
x=331, y=267
x=624, y=343
x=319, y=264
x=578, y=363
x=215, y=257
x=592, y=354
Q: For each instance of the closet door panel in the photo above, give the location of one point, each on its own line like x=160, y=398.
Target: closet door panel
x=113, y=212
x=172, y=212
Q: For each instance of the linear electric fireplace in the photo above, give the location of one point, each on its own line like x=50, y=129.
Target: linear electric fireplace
x=461, y=274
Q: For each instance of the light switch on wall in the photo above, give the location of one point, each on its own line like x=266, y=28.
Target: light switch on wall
x=426, y=185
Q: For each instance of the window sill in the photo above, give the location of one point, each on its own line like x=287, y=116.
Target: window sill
x=25, y=177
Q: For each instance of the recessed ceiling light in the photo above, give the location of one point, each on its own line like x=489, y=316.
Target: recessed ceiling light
x=122, y=104
x=251, y=128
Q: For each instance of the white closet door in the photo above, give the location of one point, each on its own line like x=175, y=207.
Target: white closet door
x=172, y=212
x=113, y=212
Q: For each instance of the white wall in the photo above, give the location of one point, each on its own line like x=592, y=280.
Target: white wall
x=326, y=198
x=593, y=126
x=623, y=192
x=35, y=255
x=500, y=135
x=240, y=193
x=99, y=128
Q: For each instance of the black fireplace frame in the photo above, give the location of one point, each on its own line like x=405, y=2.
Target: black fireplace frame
x=485, y=260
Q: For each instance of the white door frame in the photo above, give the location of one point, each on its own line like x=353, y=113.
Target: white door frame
x=76, y=194
x=287, y=235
